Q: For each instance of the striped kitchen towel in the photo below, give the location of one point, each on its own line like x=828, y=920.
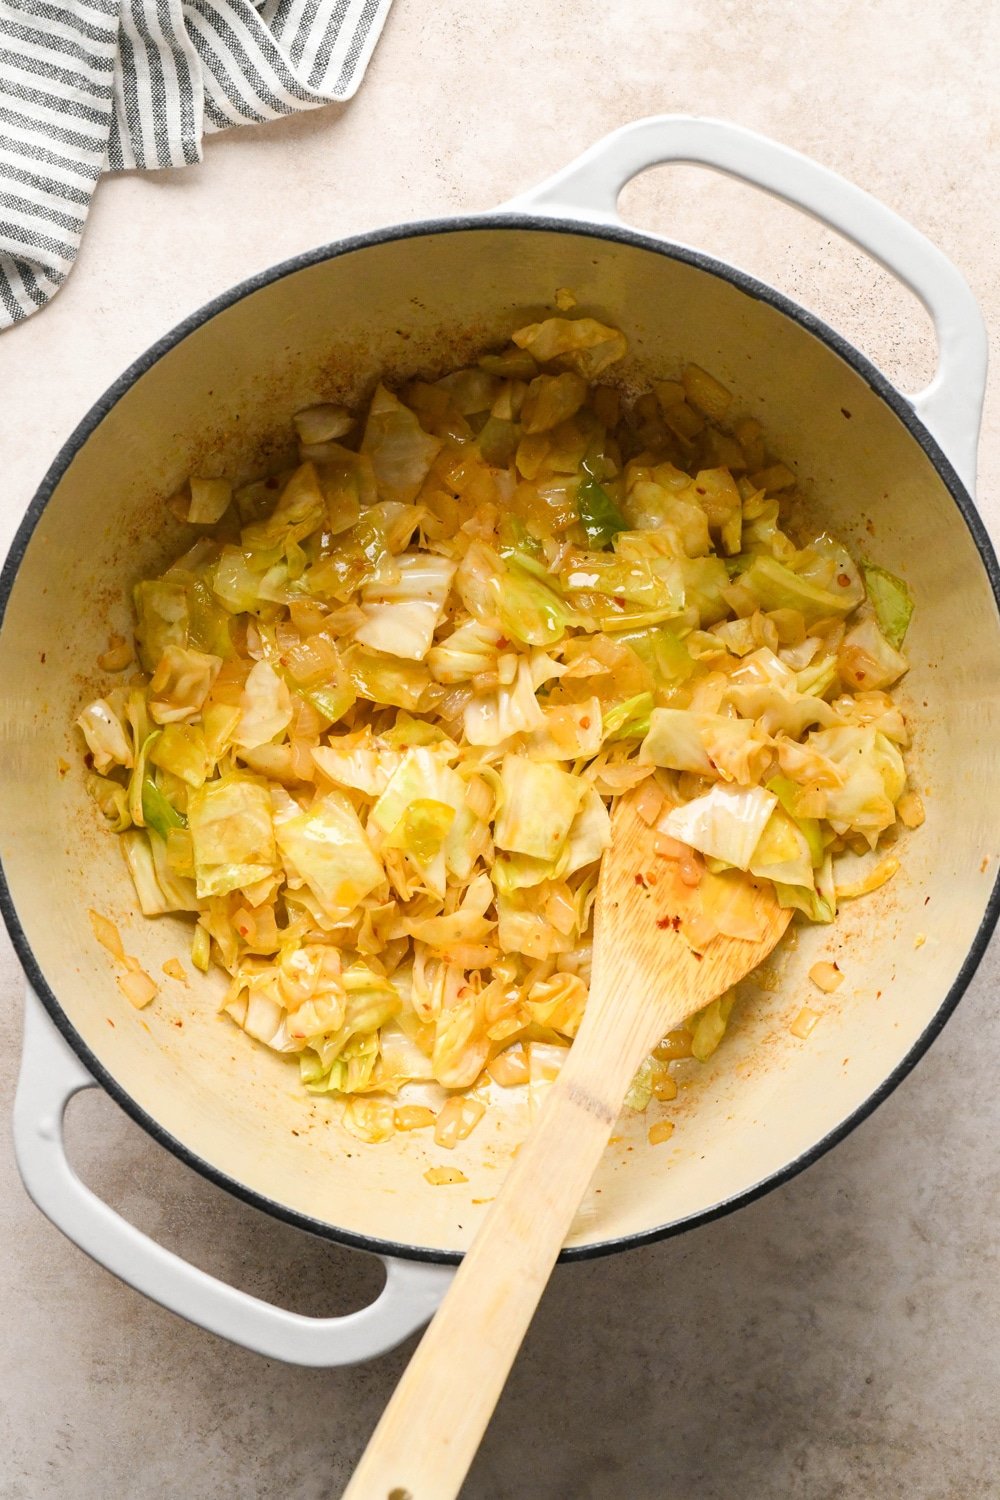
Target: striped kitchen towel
x=89, y=86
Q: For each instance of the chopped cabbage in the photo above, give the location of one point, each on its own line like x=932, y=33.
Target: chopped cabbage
x=551, y=399
x=384, y=703
x=180, y=684
x=112, y=798
x=325, y=847
x=105, y=735
x=584, y=344
x=776, y=586
x=403, y=611
x=357, y=762
x=727, y=822
x=525, y=608
x=891, y=601
x=400, y=450
x=379, y=678
x=782, y=853
x=867, y=661
x=571, y=731
x=706, y=744
x=158, y=889
x=708, y=1027
x=599, y=515
x=538, y=806
x=629, y=720
x=466, y=653
x=265, y=707
x=589, y=835
x=162, y=618
x=231, y=833
x=491, y=718
x=183, y=750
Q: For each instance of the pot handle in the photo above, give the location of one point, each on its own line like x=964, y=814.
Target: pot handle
x=51, y=1073
x=588, y=188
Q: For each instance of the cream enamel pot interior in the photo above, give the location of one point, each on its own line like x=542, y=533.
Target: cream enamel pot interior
x=890, y=475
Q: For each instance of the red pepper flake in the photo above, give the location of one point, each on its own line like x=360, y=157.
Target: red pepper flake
x=663, y=923
x=843, y=580
x=641, y=880
x=585, y=722
x=676, y=923
x=698, y=956
x=502, y=643
x=620, y=600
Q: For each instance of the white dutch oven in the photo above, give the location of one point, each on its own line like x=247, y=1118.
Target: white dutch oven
x=888, y=473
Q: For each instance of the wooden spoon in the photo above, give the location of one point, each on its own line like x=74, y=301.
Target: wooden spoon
x=646, y=980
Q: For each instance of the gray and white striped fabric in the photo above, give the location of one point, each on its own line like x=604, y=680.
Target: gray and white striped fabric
x=88, y=86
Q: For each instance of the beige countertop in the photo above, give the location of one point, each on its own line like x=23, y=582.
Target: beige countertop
x=838, y=1339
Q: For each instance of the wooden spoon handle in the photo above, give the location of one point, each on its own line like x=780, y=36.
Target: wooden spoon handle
x=432, y=1427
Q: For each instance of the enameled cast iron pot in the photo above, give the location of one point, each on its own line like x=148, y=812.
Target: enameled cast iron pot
x=889, y=474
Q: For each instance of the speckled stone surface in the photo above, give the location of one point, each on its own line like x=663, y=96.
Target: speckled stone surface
x=839, y=1339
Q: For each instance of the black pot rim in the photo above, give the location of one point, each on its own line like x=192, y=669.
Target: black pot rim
x=743, y=282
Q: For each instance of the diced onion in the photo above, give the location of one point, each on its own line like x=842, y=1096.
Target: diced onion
x=804, y=1023
x=457, y=1119
x=675, y=1044
x=137, y=987
x=107, y=935
x=413, y=1117
x=209, y=500
x=117, y=657
x=323, y=423
x=509, y=1067
x=370, y=1120
x=826, y=976
x=910, y=810
x=664, y=1086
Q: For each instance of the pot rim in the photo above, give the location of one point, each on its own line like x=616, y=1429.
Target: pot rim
x=880, y=386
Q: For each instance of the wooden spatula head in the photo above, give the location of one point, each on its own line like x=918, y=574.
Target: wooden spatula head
x=647, y=919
